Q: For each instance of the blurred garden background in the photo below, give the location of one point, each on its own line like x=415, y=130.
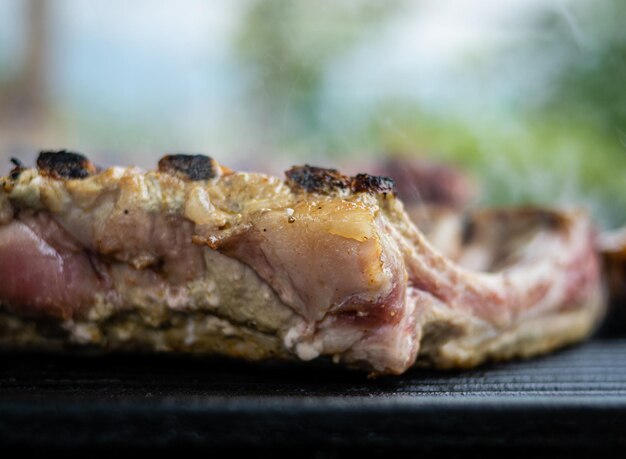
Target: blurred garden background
x=528, y=95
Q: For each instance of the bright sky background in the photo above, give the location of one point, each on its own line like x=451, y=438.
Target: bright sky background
x=172, y=70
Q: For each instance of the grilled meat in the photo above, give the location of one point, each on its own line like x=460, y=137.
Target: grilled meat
x=198, y=258
x=612, y=246
x=436, y=196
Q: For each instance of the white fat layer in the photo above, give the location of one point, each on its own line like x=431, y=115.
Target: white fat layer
x=27, y=190
x=190, y=333
x=198, y=207
x=308, y=351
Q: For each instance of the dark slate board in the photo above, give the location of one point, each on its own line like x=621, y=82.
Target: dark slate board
x=575, y=398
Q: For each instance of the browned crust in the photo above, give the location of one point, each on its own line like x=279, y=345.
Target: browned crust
x=317, y=179
x=64, y=165
x=191, y=167
x=373, y=184
x=328, y=181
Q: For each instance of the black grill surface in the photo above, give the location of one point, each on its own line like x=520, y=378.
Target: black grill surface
x=575, y=398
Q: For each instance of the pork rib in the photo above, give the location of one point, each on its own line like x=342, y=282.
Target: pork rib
x=197, y=258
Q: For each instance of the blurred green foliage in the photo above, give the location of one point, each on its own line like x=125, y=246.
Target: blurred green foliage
x=589, y=41
x=565, y=145
x=517, y=161
x=288, y=46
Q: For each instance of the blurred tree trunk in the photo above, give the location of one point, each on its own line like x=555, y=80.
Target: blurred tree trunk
x=24, y=106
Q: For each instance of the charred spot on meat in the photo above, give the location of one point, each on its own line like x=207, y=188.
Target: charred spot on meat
x=64, y=164
x=18, y=166
x=373, y=184
x=317, y=179
x=192, y=167
x=329, y=181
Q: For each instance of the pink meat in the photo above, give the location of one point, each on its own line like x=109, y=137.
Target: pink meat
x=150, y=240
x=43, y=272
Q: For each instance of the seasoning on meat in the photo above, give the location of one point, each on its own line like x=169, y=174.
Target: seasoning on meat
x=251, y=266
